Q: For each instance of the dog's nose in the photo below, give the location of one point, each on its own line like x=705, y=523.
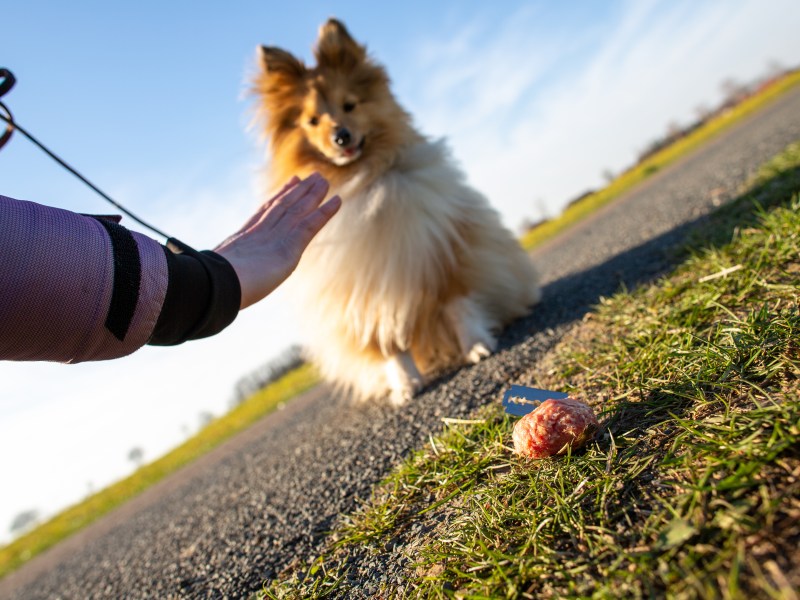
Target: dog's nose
x=342, y=137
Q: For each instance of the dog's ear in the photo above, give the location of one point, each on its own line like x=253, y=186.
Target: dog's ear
x=336, y=49
x=280, y=64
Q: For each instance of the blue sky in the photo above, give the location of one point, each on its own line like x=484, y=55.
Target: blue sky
x=148, y=100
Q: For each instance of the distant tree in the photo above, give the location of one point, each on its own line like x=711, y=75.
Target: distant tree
x=608, y=175
x=529, y=225
x=23, y=521
x=674, y=130
x=775, y=69
x=541, y=208
x=733, y=91
x=136, y=456
x=703, y=112
x=274, y=369
x=204, y=418
x=580, y=197
x=525, y=225
x=651, y=149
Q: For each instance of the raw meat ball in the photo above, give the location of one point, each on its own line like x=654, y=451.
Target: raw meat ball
x=554, y=426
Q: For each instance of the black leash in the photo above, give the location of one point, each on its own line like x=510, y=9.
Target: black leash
x=7, y=81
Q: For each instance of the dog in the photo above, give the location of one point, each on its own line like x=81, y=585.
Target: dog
x=416, y=272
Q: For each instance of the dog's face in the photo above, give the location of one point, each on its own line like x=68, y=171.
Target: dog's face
x=336, y=114
x=335, y=119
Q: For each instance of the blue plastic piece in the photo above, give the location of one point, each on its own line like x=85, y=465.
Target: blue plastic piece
x=521, y=400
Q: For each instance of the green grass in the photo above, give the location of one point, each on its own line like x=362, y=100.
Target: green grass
x=691, y=488
x=665, y=157
x=84, y=513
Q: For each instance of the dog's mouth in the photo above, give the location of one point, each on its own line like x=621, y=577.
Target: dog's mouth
x=350, y=154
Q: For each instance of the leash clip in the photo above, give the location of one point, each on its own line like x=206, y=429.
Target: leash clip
x=7, y=81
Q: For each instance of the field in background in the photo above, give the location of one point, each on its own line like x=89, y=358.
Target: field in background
x=656, y=162
x=263, y=402
x=689, y=490
x=217, y=431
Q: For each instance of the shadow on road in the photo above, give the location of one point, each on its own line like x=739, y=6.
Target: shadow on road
x=649, y=261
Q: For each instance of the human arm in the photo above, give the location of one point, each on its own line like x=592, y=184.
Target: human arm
x=75, y=288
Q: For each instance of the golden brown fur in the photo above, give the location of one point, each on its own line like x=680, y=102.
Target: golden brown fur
x=416, y=271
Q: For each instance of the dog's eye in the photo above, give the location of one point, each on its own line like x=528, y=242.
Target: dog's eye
x=313, y=121
x=349, y=106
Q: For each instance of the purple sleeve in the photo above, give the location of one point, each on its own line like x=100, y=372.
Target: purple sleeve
x=59, y=299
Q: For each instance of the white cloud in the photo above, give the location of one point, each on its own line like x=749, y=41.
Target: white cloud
x=536, y=115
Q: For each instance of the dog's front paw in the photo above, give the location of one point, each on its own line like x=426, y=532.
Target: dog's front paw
x=479, y=351
x=472, y=329
x=403, y=377
x=399, y=396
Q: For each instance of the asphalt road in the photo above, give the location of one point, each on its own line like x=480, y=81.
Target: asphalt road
x=245, y=512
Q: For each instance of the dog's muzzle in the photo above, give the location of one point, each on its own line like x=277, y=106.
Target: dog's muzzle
x=342, y=137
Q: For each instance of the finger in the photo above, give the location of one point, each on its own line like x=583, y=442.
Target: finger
x=284, y=190
x=310, y=200
x=296, y=204
x=315, y=221
x=296, y=199
x=275, y=198
x=257, y=216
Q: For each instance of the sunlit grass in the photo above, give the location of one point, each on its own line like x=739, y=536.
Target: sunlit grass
x=84, y=513
x=689, y=491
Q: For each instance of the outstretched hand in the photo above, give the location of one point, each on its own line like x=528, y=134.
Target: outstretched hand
x=268, y=248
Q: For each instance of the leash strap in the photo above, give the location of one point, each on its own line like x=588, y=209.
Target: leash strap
x=7, y=81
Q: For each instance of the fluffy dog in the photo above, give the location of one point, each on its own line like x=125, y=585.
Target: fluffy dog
x=416, y=272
